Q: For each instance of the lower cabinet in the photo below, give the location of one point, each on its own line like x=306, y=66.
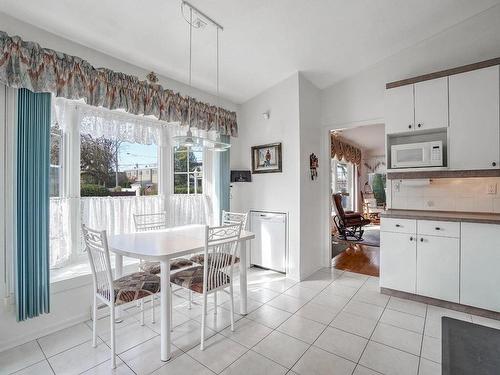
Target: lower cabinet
x=480, y=266
x=438, y=267
x=398, y=261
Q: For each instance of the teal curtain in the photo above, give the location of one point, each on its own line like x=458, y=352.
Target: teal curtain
x=225, y=176
x=32, y=205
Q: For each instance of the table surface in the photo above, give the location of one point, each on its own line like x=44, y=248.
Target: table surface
x=163, y=244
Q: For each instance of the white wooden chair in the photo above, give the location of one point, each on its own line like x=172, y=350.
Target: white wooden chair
x=228, y=218
x=235, y=218
x=216, y=273
x=129, y=288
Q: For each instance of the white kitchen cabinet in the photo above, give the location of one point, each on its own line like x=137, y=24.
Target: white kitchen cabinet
x=438, y=267
x=399, y=109
x=431, y=104
x=398, y=259
x=474, y=141
x=480, y=261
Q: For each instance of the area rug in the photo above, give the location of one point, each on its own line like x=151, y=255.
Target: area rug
x=371, y=237
x=469, y=349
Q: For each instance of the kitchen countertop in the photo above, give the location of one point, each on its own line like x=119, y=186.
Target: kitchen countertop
x=465, y=217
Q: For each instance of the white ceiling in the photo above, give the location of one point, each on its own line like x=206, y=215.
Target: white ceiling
x=264, y=41
x=370, y=138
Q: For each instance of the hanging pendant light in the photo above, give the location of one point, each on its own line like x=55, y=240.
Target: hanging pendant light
x=189, y=140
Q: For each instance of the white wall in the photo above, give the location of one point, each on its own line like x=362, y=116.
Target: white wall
x=311, y=209
x=271, y=191
x=294, y=106
x=360, y=99
x=70, y=303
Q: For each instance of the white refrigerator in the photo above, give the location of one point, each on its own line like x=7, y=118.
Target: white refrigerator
x=269, y=248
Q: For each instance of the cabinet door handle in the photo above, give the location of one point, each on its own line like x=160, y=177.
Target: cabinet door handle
x=421, y=239
x=398, y=225
x=419, y=125
x=494, y=164
x=411, y=238
x=437, y=228
x=409, y=126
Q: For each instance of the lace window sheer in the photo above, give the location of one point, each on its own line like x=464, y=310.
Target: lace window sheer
x=115, y=214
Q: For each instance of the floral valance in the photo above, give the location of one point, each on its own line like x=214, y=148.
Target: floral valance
x=342, y=150
x=27, y=65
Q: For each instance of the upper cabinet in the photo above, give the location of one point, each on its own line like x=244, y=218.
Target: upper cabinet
x=474, y=119
x=420, y=106
x=399, y=110
x=431, y=104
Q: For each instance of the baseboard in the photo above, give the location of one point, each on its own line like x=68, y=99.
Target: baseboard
x=45, y=331
x=440, y=303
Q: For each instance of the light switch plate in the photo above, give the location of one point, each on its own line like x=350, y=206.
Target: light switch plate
x=492, y=188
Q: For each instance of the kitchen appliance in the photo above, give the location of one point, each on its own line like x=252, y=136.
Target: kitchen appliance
x=268, y=249
x=414, y=155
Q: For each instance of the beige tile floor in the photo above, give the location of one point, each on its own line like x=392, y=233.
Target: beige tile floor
x=333, y=323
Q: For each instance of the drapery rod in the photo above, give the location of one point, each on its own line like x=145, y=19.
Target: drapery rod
x=202, y=14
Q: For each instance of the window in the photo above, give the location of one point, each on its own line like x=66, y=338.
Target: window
x=110, y=167
x=343, y=182
x=55, y=160
x=188, y=170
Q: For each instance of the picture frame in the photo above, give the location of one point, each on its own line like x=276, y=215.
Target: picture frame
x=267, y=158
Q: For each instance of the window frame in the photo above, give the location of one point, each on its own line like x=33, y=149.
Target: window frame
x=187, y=172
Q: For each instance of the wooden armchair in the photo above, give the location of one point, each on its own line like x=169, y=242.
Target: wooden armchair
x=348, y=223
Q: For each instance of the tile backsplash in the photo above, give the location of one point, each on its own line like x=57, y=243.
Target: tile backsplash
x=447, y=194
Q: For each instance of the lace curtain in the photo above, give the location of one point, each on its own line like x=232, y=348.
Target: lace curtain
x=115, y=214
x=189, y=209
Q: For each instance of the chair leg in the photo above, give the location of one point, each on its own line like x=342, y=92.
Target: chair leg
x=170, y=303
x=94, y=323
x=231, y=296
x=203, y=319
x=113, y=343
x=142, y=311
x=153, y=309
x=215, y=303
x=190, y=299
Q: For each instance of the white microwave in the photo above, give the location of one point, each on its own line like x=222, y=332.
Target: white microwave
x=412, y=155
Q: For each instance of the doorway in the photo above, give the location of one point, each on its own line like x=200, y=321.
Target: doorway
x=358, y=174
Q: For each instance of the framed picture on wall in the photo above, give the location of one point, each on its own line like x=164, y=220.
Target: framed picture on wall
x=266, y=158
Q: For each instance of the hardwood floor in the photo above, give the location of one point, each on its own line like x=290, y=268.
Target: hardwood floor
x=359, y=259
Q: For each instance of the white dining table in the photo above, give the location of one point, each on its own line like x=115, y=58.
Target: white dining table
x=164, y=245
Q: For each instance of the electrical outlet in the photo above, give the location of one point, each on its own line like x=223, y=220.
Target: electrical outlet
x=397, y=187
x=492, y=188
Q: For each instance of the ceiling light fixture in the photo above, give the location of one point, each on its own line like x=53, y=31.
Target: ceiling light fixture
x=200, y=22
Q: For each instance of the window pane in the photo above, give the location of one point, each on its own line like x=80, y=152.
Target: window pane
x=111, y=167
x=55, y=160
x=180, y=184
x=180, y=161
x=195, y=160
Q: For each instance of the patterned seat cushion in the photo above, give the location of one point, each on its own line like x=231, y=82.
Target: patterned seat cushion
x=192, y=278
x=134, y=286
x=175, y=264
x=200, y=258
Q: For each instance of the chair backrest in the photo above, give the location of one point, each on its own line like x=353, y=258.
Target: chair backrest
x=229, y=218
x=220, y=254
x=154, y=221
x=96, y=245
x=337, y=205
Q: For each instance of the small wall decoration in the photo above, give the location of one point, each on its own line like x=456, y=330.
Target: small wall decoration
x=266, y=158
x=313, y=165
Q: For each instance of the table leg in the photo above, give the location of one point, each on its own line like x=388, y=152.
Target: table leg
x=165, y=310
x=243, y=278
x=118, y=274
